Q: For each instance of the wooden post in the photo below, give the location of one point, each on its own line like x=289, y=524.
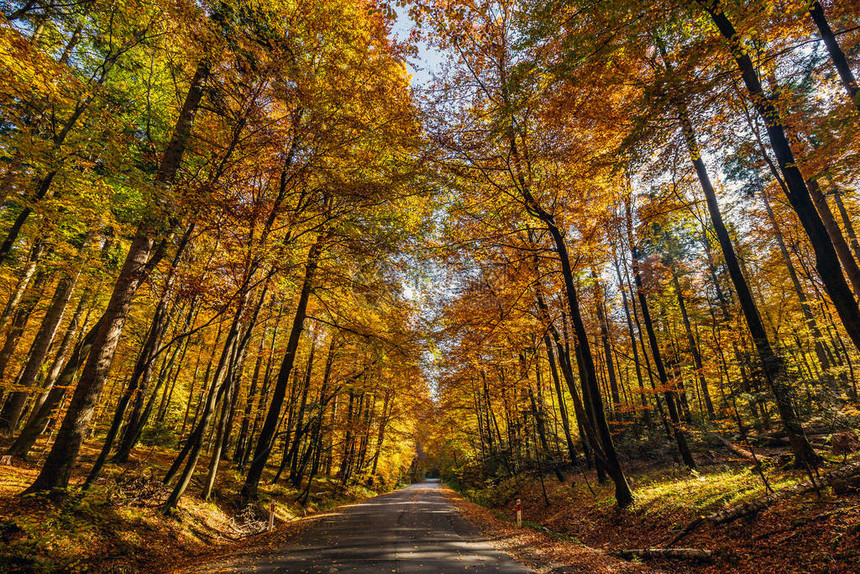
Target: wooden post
x=519, y=513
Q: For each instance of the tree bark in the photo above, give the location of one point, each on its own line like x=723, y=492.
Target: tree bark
x=694, y=348
x=20, y=318
x=217, y=388
x=603, y=324
x=237, y=367
x=849, y=264
x=565, y=420
x=25, y=275
x=646, y=408
x=847, y=222
x=623, y=494
x=818, y=338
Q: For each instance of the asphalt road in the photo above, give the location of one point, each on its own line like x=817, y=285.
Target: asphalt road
x=412, y=530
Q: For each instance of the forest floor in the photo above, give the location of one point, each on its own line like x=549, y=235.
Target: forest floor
x=118, y=526
x=813, y=532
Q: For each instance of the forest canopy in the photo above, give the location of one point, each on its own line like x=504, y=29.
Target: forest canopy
x=247, y=236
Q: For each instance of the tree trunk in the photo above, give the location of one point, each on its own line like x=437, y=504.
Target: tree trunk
x=694, y=348
x=236, y=370
x=42, y=187
x=20, y=318
x=139, y=381
x=836, y=54
x=25, y=275
x=300, y=418
x=541, y=429
x=668, y=392
x=38, y=351
x=39, y=418
x=267, y=433
x=244, y=426
x=847, y=222
x=818, y=338
x=66, y=345
x=603, y=324
x=565, y=420
x=220, y=435
x=623, y=494
x=849, y=264
x=217, y=387
x=646, y=408
x=380, y=435
x=142, y=373
x=264, y=392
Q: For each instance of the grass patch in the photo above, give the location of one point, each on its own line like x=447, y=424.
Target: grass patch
x=709, y=491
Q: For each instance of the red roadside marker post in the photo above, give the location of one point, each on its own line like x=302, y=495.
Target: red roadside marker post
x=519, y=513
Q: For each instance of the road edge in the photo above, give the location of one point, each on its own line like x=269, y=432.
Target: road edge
x=538, y=550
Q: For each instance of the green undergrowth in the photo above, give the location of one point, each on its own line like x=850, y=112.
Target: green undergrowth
x=709, y=490
x=706, y=490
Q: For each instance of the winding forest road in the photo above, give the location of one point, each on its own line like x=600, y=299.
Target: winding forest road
x=412, y=530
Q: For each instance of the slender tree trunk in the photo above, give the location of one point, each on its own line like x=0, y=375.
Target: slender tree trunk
x=849, y=264
x=646, y=407
x=25, y=275
x=66, y=345
x=694, y=348
x=264, y=393
x=39, y=418
x=244, y=426
x=20, y=318
x=607, y=347
x=623, y=494
x=588, y=433
x=380, y=435
x=220, y=435
x=541, y=429
x=142, y=373
x=343, y=472
x=847, y=222
x=836, y=54
x=808, y=316
x=668, y=392
x=217, y=388
x=38, y=351
x=42, y=187
x=267, y=433
x=299, y=435
x=565, y=420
